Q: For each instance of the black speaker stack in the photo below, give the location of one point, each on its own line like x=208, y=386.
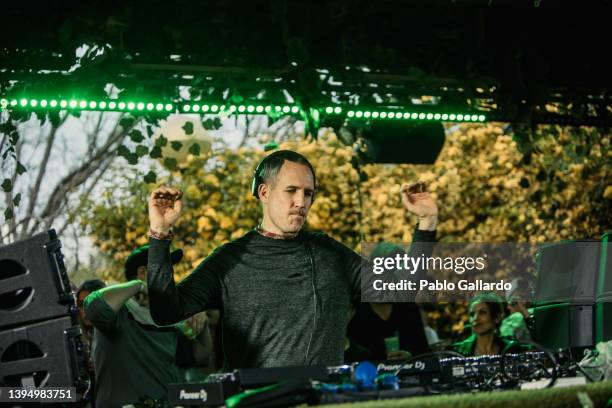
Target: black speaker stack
x=573, y=296
x=40, y=340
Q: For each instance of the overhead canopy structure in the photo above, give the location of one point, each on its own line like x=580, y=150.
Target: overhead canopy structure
x=500, y=60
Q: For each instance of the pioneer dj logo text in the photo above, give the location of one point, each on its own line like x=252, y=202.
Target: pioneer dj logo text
x=202, y=396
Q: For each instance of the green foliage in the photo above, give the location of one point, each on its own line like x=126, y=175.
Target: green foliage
x=188, y=128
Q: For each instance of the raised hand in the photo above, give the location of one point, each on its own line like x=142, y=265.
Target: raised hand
x=418, y=201
x=164, y=208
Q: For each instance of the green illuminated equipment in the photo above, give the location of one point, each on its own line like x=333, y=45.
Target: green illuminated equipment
x=152, y=106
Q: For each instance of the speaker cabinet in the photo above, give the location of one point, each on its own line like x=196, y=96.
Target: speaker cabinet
x=564, y=325
x=49, y=353
x=568, y=272
x=34, y=285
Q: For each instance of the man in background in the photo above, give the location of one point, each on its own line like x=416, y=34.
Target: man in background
x=135, y=358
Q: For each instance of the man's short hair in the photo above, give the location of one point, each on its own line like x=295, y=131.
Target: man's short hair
x=140, y=256
x=267, y=171
x=90, y=285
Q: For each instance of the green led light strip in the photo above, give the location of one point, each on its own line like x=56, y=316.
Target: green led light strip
x=401, y=115
x=130, y=106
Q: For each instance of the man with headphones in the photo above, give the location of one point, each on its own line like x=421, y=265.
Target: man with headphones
x=284, y=293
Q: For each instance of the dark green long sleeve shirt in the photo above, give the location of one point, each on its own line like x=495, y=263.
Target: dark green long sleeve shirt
x=282, y=302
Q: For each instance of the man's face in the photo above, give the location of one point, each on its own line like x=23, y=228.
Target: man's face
x=288, y=200
x=480, y=317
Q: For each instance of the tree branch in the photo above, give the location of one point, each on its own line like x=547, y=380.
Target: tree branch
x=79, y=176
x=41, y=172
x=88, y=191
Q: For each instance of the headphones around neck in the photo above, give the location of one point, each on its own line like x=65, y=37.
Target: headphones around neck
x=280, y=156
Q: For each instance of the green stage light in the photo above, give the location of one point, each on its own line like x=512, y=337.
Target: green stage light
x=235, y=108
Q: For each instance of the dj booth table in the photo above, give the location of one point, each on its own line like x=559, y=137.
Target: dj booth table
x=600, y=394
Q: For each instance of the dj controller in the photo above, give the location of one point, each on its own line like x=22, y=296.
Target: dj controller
x=430, y=374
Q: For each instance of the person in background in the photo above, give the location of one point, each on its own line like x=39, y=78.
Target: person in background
x=430, y=333
x=135, y=358
x=84, y=289
x=516, y=324
x=486, y=314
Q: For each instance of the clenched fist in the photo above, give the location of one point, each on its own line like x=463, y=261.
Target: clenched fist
x=164, y=208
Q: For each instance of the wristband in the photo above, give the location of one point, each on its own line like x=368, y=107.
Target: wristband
x=161, y=236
